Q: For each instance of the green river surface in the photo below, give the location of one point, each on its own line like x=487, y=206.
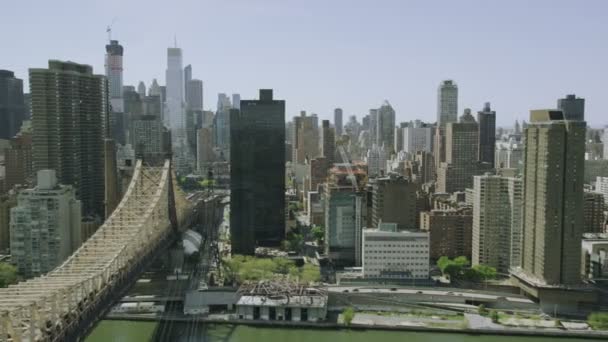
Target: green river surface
x=108, y=331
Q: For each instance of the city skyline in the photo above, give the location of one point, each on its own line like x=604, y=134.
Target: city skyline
x=336, y=62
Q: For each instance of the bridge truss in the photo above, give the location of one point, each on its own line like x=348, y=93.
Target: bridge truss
x=47, y=307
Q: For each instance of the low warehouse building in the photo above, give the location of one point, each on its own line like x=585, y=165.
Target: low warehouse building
x=281, y=301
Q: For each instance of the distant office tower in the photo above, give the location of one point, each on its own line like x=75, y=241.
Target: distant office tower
x=154, y=89
x=147, y=137
x=118, y=120
x=601, y=186
x=447, y=103
x=328, y=142
x=594, y=212
x=204, y=149
x=553, y=214
x=398, y=136
x=373, y=126
x=114, y=52
x=394, y=201
x=187, y=78
x=406, y=256
x=7, y=201
x=12, y=105
x=45, y=226
x=306, y=138
x=343, y=222
x=573, y=107
x=70, y=139
x=175, y=118
x=18, y=159
x=417, y=137
x=257, y=173
x=376, y=161
x=487, y=134
x=141, y=89
x=425, y=167
x=386, y=127
x=509, y=155
x=194, y=95
x=338, y=121
x=236, y=101
x=456, y=173
x=222, y=124
x=449, y=230
x=497, y=219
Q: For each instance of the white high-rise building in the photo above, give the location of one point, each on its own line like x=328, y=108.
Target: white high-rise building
x=509, y=154
x=236, y=101
x=601, y=186
x=113, y=64
x=497, y=221
x=392, y=254
x=447, y=103
x=175, y=118
x=376, y=161
x=45, y=225
x=417, y=137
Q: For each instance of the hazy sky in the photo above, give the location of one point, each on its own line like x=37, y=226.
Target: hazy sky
x=321, y=54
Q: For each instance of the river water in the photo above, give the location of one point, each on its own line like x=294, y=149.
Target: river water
x=119, y=331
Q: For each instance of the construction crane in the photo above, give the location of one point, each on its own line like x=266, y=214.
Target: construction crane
x=109, y=29
x=349, y=169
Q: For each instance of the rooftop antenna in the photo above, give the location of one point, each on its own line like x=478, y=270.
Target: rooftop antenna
x=109, y=29
x=175, y=40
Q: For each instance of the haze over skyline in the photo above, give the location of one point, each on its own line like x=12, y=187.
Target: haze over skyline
x=318, y=55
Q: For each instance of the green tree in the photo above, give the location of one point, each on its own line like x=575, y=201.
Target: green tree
x=485, y=272
x=8, y=274
x=481, y=309
x=348, y=315
x=442, y=263
x=318, y=233
x=598, y=320
x=310, y=273
x=494, y=316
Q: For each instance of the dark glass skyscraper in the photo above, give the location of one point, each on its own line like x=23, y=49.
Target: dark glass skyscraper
x=12, y=105
x=487, y=134
x=69, y=121
x=573, y=107
x=257, y=172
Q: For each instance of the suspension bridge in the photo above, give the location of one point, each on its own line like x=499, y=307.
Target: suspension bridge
x=66, y=302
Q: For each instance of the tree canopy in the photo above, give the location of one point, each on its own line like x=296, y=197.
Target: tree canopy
x=8, y=274
x=458, y=269
x=244, y=268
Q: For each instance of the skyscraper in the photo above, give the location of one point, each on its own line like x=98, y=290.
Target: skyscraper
x=461, y=144
x=417, y=137
x=18, y=159
x=573, y=107
x=67, y=138
x=497, y=216
x=236, y=101
x=141, y=89
x=394, y=201
x=328, y=142
x=257, y=173
x=487, y=134
x=12, y=105
x=114, y=53
x=338, y=121
x=386, y=127
x=553, y=194
x=447, y=103
x=306, y=144
x=175, y=118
